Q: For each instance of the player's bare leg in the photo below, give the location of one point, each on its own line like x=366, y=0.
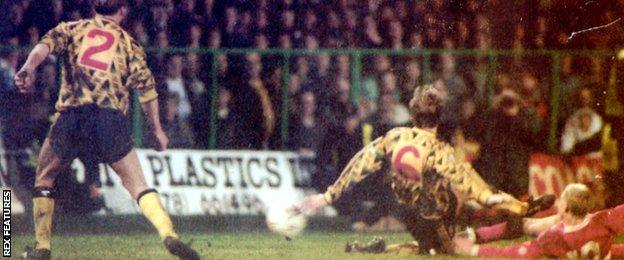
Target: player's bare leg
x=535, y=226
x=129, y=170
x=48, y=168
x=513, y=227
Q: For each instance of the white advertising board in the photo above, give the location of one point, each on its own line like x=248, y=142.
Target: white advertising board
x=192, y=182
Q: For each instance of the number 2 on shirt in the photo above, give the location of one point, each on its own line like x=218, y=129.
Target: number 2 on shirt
x=97, y=49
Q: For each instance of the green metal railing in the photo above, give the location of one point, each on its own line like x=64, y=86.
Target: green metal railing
x=356, y=56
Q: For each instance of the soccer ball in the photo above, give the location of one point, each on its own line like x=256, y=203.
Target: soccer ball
x=285, y=219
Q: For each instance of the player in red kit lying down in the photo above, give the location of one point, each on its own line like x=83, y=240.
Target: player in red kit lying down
x=577, y=233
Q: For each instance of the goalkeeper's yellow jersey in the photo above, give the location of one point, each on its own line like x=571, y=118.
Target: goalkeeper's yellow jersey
x=100, y=61
x=420, y=165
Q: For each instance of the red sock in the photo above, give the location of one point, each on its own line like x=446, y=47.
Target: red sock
x=495, y=232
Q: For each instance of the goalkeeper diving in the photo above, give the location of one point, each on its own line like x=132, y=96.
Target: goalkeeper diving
x=425, y=177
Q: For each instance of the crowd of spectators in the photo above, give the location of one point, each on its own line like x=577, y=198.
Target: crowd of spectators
x=325, y=119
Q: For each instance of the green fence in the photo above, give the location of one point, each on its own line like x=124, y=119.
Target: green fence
x=496, y=59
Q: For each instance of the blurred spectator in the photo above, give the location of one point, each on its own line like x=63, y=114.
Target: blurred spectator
x=482, y=24
x=242, y=34
x=531, y=94
x=372, y=83
x=272, y=82
x=287, y=24
x=582, y=131
x=307, y=132
x=570, y=84
x=178, y=131
x=454, y=82
x=412, y=78
x=47, y=85
x=539, y=41
x=262, y=21
x=159, y=19
x=478, y=76
x=139, y=33
x=390, y=114
x=342, y=67
x=507, y=135
x=176, y=84
x=274, y=87
x=285, y=42
x=33, y=35
x=465, y=136
x=415, y=41
x=389, y=85
x=222, y=67
x=199, y=98
x=229, y=26
x=294, y=87
x=395, y=33
x=339, y=106
x=195, y=36
x=518, y=44
x=14, y=26
x=463, y=34
x=208, y=13
x=319, y=78
x=597, y=71
x=302, y=68
x=253, y=106
x=138, y=10
x=402, y=11
x=332, y=28
x=349, y=33
x=226, y=123
x=261, y=41
x=503, y=81
x=310, y=22
x=310, y=42
x=456, y=89
x=157, y=61
x=8, y=65
x=372, y=38
x=214, y=38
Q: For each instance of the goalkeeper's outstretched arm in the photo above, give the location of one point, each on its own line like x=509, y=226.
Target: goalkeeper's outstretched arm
x=366, y=162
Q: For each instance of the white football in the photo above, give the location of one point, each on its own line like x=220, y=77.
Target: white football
x=285, y=219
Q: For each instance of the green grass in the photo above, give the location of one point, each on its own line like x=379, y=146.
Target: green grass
x=130, y=237
x=249, y=245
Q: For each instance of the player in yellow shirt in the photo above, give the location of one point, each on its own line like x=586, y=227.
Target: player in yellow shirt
x=101, y=63
x=425, y=177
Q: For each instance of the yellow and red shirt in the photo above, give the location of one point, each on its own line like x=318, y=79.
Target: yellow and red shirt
x=419, y=164
x=101, y=62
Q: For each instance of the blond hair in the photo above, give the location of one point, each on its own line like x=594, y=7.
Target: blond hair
x=578, y=198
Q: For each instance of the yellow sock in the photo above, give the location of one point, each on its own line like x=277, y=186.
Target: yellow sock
x=43, y=207
x=155, y=213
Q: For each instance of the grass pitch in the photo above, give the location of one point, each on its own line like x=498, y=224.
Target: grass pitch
x=131, y=237
x=248, y=245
